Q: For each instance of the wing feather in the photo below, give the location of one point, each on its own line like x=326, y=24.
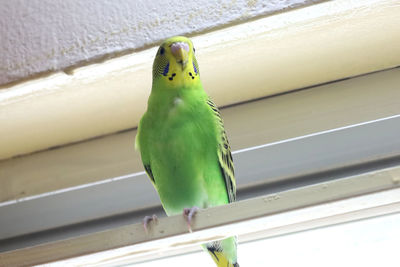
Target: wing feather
x=224, y=155
x=149, y=173
x=146, y=163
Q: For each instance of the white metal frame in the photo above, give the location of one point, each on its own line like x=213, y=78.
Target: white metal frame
x=298, y=141
x=353, y=198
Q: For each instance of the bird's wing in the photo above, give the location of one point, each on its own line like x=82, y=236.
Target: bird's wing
x=145, y=161
x=224, y=155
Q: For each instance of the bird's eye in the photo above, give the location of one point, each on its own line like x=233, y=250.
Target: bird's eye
x=194, y=50
x=162, y=51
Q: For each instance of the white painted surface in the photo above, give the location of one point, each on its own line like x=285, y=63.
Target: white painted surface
x=290, y=162
x=276, y=54
x=274, y=119
x=40, y=36
x=342, y=200
x=338, y=245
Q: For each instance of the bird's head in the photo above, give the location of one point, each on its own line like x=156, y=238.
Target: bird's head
x=175, y=63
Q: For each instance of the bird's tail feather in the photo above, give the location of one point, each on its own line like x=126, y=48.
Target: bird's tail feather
x=219, y=251
x=221, y=260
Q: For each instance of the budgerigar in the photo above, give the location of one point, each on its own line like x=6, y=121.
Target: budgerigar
x=183, y=144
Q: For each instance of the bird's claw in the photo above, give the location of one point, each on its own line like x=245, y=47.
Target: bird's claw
x=148, y=219
x=188, y=213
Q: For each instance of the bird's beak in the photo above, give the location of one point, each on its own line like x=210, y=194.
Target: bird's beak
x=180, y=50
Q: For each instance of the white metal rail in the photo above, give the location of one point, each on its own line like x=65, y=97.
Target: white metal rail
x=361, y=196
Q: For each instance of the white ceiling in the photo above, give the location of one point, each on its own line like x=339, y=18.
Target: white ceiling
x=41, y=36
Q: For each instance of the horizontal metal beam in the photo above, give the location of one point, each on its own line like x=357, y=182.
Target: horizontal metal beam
x=291, y=159
x=255, y=123
x=362, y=196
x=296, y=139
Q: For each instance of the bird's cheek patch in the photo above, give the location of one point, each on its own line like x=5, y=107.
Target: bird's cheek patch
x=166, y=69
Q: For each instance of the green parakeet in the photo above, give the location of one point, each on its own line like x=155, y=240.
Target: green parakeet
x=183, y=144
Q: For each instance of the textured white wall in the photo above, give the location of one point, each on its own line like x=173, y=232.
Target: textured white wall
x=38, y=36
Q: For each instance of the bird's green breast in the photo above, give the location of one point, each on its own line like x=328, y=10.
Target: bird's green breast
x=178, y=136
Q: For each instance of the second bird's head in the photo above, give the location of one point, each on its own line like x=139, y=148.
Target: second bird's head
x=175, y=62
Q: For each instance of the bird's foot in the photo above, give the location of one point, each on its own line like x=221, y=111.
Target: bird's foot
x=146, y=221
x=188, y=214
